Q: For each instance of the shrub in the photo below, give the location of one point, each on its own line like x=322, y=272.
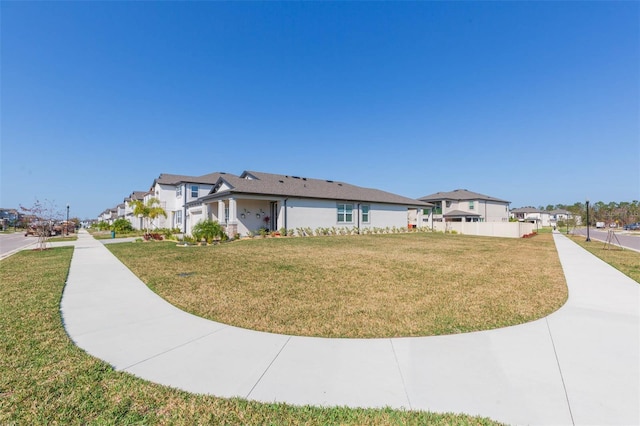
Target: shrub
x=121, y=225
x=207, y=229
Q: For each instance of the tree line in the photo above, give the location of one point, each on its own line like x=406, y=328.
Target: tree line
x=620, y=213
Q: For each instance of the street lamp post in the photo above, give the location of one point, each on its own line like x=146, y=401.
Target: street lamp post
x=66, y=227
x=588, y=239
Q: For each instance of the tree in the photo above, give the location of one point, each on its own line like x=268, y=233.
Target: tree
x=43, y=217
x=150, y=210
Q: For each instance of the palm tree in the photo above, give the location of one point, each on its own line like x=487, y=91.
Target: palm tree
x=149, y=210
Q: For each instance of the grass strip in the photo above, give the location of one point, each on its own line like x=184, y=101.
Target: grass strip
x=626, y=261
x=46, y=379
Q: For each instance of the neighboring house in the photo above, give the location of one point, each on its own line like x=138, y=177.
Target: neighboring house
x=255, y=200
x=533, y=215
x=109, y=215
x=9, y=217
x=174, y=192
x=564, y=215
x=136, y=222
x=121, y=211
x=462, y=205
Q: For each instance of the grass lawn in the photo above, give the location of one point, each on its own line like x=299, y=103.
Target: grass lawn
x=46, y=379
x=72, y=237
x=106, y=235
x=626, y=261
x=358, y=286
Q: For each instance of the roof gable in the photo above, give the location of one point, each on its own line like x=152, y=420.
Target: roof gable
x=169, y=179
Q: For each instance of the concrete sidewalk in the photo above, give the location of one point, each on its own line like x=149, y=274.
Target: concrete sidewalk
x=580, y=365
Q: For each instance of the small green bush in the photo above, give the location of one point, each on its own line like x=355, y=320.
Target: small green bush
x=121, y=225
x=208, y=230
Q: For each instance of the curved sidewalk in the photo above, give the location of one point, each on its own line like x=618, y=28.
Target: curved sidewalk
x=579, y=365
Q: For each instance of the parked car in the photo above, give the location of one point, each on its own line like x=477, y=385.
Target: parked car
x=632, y=227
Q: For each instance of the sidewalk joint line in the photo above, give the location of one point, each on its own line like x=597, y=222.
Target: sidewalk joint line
x=268, y=367
x=564, y=386
x=404, y=385
x=174, y=348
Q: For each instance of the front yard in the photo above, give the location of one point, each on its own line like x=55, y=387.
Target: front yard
x=358, y=286
x=46, y=379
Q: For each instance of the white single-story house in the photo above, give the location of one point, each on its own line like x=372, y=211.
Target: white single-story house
x=255, y=200
x=533, y=215
x=462, y=205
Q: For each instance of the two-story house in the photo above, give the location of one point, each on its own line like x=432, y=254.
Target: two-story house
x=533, y=215
x=174, y=192
x=462, y=205
x=136, y=222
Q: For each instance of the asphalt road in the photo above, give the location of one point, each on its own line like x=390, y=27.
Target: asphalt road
x=624, y=238
x=10, y=243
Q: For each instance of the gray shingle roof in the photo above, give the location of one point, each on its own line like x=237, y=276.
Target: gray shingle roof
x=456, y=213
x=169, y=179
x=528, y=210
x=460, y=195
x=258, y=183
x=136, y=195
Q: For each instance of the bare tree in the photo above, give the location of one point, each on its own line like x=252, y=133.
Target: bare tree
x=43, y=219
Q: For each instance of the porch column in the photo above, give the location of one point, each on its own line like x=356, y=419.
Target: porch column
x=233, y=211
x=232, y=226
x=221, y=212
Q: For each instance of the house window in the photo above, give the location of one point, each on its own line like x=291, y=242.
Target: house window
x=345, y=213
x=365, y=213
x=448, y=204
x=178, y=191
x=179, y=217
x=471, y=206
x=194, y=191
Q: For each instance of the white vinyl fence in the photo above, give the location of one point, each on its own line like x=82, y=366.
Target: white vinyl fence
x=487, y=229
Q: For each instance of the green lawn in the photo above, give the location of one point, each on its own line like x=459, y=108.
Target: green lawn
x=46, y=379
x=415, y=284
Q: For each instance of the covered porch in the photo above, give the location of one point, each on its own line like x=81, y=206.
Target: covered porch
x=240, y=215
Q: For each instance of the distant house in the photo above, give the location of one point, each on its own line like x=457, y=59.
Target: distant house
x=174, y=193
x=564, y=215
x=9, y=217
x=136, y=222
x=533, y=215
x=462, y=205
x=255, y=200
x=108, y=215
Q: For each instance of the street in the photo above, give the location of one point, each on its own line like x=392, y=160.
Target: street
x=12, y=242
x=626, y=239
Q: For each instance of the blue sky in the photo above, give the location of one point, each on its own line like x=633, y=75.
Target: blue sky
x=533, y=102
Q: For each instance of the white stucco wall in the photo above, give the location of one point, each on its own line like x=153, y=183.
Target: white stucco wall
x=494, y=212
x=302, y=213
